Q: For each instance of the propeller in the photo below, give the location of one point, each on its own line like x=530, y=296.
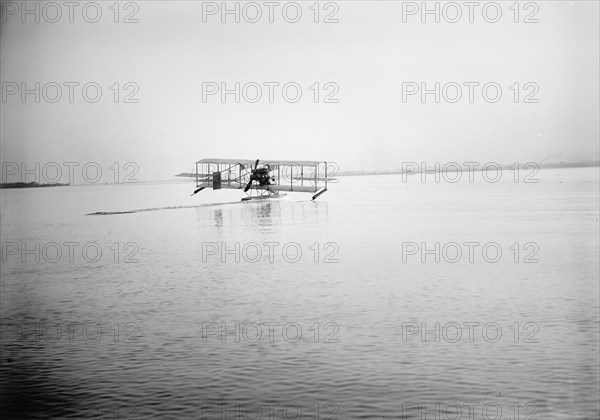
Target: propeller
x=249, y=184
x=253, y=175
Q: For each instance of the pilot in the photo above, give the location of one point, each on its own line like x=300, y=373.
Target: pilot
x=264, y=175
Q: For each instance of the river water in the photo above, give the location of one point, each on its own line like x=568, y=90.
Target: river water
x=382, y=299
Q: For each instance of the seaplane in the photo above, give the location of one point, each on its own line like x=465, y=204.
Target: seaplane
x=261, y=179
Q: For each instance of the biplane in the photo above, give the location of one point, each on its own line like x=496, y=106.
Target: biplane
x=261, y=179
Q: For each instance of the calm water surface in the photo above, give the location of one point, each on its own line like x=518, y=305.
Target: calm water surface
x=165, y=323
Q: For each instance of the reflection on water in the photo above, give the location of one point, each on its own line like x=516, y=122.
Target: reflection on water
x=263, y=214
x=218, y=217
x=175, y=321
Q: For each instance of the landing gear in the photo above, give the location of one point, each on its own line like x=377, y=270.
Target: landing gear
x=260, y=194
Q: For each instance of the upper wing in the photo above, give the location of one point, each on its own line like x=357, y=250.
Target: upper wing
x=291, y=162
x=227, y=161
x=262, y=162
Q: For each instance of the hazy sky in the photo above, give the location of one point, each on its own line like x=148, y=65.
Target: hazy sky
x=369, y=55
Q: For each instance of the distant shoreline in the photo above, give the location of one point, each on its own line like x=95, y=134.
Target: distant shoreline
x=479, y=168
x=456, y=167
x=29, y=185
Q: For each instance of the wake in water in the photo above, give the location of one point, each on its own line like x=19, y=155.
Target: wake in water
x=109, y=213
